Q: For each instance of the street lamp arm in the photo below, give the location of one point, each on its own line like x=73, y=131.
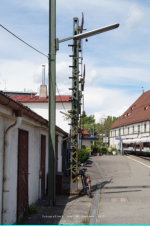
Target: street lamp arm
x=65, y=39
x=91, y=33
x=95, y=32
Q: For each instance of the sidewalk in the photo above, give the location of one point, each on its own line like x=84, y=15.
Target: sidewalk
x=73, y=209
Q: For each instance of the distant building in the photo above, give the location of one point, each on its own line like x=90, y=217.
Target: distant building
x=134, y=122
x=39, y=104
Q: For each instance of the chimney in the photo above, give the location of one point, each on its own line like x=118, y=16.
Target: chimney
x=43, y=87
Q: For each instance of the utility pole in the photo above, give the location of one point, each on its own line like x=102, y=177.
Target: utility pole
x=120, y=130
x=105, y=136
x=52, y=94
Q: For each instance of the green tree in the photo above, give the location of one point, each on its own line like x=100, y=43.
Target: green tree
x=103, y=126
x=88, y=122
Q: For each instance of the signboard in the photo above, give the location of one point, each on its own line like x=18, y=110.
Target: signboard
x=118, y=138
x=105, y=139
x=92, y=135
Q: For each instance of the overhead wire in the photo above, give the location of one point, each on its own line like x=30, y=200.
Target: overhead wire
x=23, y=41
x=35, y=50
x=60, y=98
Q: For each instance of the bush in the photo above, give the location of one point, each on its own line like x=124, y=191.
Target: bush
x=100, y=150
x=86, y=148
x=92, y=146
x=33, y=209
x=113, y=149
x=83, y=155
x=104, y=150
x=95, y=150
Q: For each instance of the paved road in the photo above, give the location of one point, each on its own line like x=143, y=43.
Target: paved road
x=125, y=191
x=123, y=198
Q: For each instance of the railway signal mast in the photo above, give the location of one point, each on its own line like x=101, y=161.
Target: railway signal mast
x=76, y=102
x=53, y=47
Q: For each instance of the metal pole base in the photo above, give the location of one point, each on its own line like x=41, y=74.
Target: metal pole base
x=52, y=203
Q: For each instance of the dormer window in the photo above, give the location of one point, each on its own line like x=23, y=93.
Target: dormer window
x=132, y=107
x=128, y=114
x=125, y=115
x=145, y=108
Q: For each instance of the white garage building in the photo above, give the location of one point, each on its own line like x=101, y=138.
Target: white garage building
x=23, y=158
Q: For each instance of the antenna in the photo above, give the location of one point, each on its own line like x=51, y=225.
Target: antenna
x=143, y=89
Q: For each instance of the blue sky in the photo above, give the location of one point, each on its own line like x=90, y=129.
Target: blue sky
x=117, y=62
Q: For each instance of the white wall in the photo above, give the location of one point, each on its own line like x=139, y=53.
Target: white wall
x=115, y=132
x=42, y=109
x=86, y=143
x=60, y=122
x=34, y=151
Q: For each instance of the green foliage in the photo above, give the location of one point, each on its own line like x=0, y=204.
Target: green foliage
x=92, y=146
x=87, y=119
x=32, y=209
x=103, y=126
x=67, y=116
x=83, y=155
x=95, y=150
x=100, y=150
x=88, y=122
x=86, y=148
x=104, y=150
x=113, y=149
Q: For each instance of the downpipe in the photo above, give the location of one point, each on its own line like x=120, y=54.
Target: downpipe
x=6, y=171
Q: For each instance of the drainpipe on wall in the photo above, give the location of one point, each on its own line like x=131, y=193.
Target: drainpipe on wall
x=6, y=171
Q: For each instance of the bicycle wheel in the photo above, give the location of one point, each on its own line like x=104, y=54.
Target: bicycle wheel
x=89, y=189
x=84, y=187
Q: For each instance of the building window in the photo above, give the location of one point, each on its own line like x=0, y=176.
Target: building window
x=138, y=128
x=123, y=131
x=128, y=130
x=144, y=127
x=115, y=133
x=111, y=133
x=133, y=129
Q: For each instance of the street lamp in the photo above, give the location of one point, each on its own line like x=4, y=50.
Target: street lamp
x=53, y=46
x=91, y=33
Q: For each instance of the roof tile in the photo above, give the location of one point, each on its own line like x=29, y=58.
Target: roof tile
x=137, y=114
x=29, y=99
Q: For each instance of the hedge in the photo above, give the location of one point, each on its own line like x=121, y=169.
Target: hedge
x=83, y=155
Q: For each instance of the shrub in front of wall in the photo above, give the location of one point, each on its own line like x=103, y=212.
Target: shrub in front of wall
x=100, y=150
x=86, y=148
x=104, y=150
x=83, y=155
x=92, y=146
x=95, y=150
x=113, y=149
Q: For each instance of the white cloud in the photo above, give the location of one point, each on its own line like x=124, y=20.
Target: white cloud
x=102, y=101
x=136, y=17
x=18, y=74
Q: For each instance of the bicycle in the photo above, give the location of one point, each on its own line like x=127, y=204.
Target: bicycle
x=86, y=181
